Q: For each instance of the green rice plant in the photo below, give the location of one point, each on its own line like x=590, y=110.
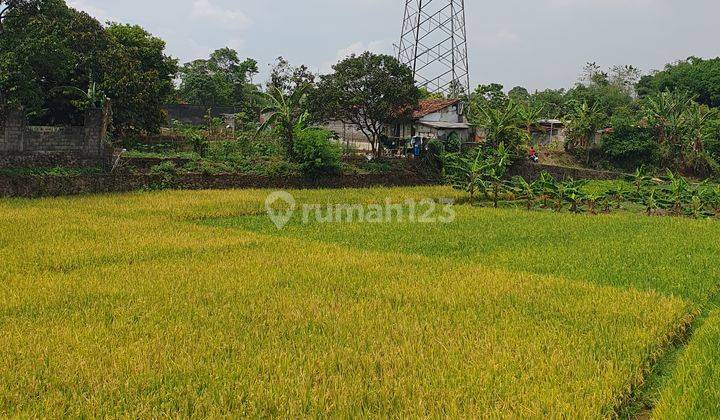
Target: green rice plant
x=693, y=389
x=193, y=304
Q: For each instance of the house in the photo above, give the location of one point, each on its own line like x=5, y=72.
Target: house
x=548, y=131
x=434, y=119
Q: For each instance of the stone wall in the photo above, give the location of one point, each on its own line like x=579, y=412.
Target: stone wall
x=51, y=186
x=532, y=171
x=30, y=146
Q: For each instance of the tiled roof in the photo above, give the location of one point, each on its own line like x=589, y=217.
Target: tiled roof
x=429, y=106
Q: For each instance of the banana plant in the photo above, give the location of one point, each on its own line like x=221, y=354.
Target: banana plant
x=93, y=97
x=595, y=200
x=525, y=191
x=713, y=197
x=497, y=170
x=640, y=179
x=652, y=205
x=696, y=207
x=574, y=195
x=466, y=174
x=678, y=193
x=546, y=187
x=615, y=197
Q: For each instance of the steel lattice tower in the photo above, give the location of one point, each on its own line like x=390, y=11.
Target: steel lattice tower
x=434, y=45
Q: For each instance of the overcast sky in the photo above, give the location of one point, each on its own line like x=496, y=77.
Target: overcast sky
x=533, y=43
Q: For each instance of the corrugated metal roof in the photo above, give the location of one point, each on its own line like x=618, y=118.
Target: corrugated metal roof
x=445, y=125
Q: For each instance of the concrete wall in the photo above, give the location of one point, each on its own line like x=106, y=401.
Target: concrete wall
x=22, y=145
x=449, y=114
x=194, y=114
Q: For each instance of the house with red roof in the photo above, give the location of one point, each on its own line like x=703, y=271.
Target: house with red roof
x=434, y=119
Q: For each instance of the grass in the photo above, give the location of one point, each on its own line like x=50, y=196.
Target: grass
x=193, y=304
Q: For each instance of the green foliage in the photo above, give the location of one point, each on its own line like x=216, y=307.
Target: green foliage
x=45, y=45
x=167, y=168
x=489, y=96
x=682, y=127
x=367, y=91
x=629, y=144
x=221, y=80
x=479, y=171
x=503, y=125
x=699, y=77
x=199, y=144
x=584, y=121
x=288, y=79
x=452, y=143
x=436, y=154
x=285, y=113
x=56, y=61
x=316, y=153
x=138, y=78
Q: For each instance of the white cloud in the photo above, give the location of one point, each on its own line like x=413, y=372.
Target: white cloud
x=357, y=48
x=94, y=11
x=205, y=10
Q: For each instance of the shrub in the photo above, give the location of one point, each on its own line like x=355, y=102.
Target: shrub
x=165, y=168
x=629, y=146
x=435, y=154
x=199, y=144
x=452, y=143
x=316, y=153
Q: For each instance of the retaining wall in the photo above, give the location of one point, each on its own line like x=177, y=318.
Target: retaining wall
x=45, y=186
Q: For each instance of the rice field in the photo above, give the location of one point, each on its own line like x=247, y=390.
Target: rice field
x=193, y=304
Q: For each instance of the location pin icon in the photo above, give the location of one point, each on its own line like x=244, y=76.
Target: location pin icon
x=280, y=216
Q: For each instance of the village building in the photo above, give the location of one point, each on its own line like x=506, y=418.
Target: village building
x=434, y=119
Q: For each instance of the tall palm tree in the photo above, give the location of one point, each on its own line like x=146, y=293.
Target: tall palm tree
x=286, y=112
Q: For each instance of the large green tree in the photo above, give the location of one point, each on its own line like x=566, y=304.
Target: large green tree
x=699, y=77
x=49, y=51
x=138, y=78
x=367, y=91
x=45, y=45
x=220, y=80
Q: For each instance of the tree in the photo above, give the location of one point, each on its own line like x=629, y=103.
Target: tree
x=138, y=78
x=503, y=125
x=220, y=80
x=491, y=95
x=625, y=78
x=288, y=79
x=46, y=45
x=699, y=77
x=368, y=91
x=583, y=123
x=529, y=114
x=286, y=113
x=552, y=101
x=9, y=6
x=520, y=95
